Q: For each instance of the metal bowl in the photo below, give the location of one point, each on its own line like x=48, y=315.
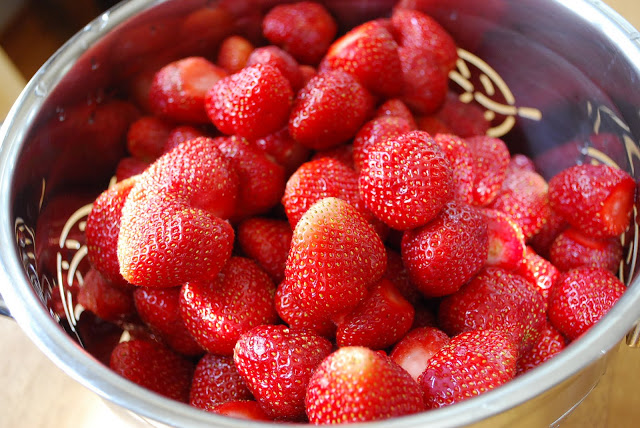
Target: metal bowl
x=558, y=81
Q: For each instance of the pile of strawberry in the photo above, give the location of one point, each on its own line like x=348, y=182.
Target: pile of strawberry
x=315, y=230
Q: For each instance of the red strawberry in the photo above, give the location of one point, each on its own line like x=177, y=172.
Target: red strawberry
x=308, y=72
x=251, y=103
x=580, y=297
x=291, y=312
x=414, y=350
x=146, y=137
x=130, y=166
x=433, y=125
x=276, y=363
x=242, y=409
x=286, y=151
x=373, y=131
x=550, y=343
x=216, y=381
x=103, y=228
x=356, y=384
x=159, y=308
x=572, y=249
x=491, y=159
x=539, y=271
x=406, y=180
x=496, y=299
x=506, y=240
x=304, y=29
x=463, y=119
x=342, y=153
x=267, y=241
x=153, y=366
x=329, y=110
x=520, y=161
x=462, y=162
x=397, y=273
x=425, y=82
x=524, y=196
x=395, y=107
x=233, y=53
x=448, y=251
x=280, y=59
x=542, y=240
x=181, y=134
x=164, y=242
x=469, y=365
x=425, y=315
x=369, y=53
x=178, y=89
x=379, y=321
x=335, y=257
x=595, y=199
x=109, y=302
x=215, y=311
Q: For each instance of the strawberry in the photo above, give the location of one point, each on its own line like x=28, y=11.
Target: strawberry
x=290, y=311
x=491, y=159
x=469, y=365
x=414, y=350
x=304, y=29
x=463, y=119
x=178, y=89
x=379, y=321
x=370, y=54
x=356, y=384
x=506, y=240
x=286, y=151
x=146, y=137
x=233, y=53
x=373, y=131
x=395, y=107
x=448, y=251
x=159, y=308
x=462, y=162
x=280, y=59
x=425, y=82
x=520, y=161
x=109, y=302
x=164, y=242
x=398, y=274
x=252, y=103
x=335, y=257
x=572, y=249
x=180, y=134
x=130, y=166
x=425, y=315
x=581, y=297
x=307, y=72
x=541, y=241
x=406, y=180
x=215, y=310
x=550, y=343
x=433, y=125
x=539, y=271
x=496, y=299
x=276, y=363
x=329, y=110
x=216, y=380
x=524, y=196
x=153, y=366
x=342, y=153
x=241, y=409
x=595, y=199
x=267, y=241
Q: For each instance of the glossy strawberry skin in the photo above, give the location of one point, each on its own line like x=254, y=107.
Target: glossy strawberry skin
x=286, y=151
x=550, y=343
x=506, y=241
x=107, y=301
x=462, y=162
x=356, y=384
x=280, y=59
x=539, y=271
x=180, y=134
x=291, y=311
x=414, y=350
x=373, y=131
x=395, y=107
x=572, y=249
x=146, y=137
x=462, y=119
x=267, y=241
x=242, y=409
x=216, y=381
x=129, y=166
x=233, y=53
x=425, y=83
x=276, y=363
x=491, y=159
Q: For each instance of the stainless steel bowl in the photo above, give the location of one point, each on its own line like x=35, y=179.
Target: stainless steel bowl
x=559, y=80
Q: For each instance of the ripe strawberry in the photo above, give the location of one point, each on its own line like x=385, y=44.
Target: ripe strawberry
x=491, y=159
x=308, y=72
x=539, y=271
x=181, y=134
x=329, y=110
x=524, y=196
x=425, y=82
x=496, y=299
x=159, y=309
x=506, y=240
x=580, y=297
x=395, y=107
x=572, y=249
x=109, y=302
x=241, y=409
x=550, y=343
x=595, y=199
x=356, y=384
x=342, y=153
x=153, y=366
x=425, y=315
x=463, y=119
x=375, y=130
x=267, y=241
x=520, y=161
x=252, y=103
x=304, y=29
x=541, y=241
x=433, y=125
x=103, y=228
x=178, y=89
x=469, y=365
x=414, y=350
x=448, y=251
x=286, y=151
x=130, y=166
x=462, y=162
x=164, y=242
x=379, y=321
x=233, y=53
x=146, y=138
x=216, y=381
x=398, y=274
x=280, y=59
x=335, y=257
x=291, y=312
x=215, y=310
x=276, y=363
x=369, y=53
x=406, y=180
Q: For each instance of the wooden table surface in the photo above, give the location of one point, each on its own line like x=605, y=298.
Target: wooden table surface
x=35, y=393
